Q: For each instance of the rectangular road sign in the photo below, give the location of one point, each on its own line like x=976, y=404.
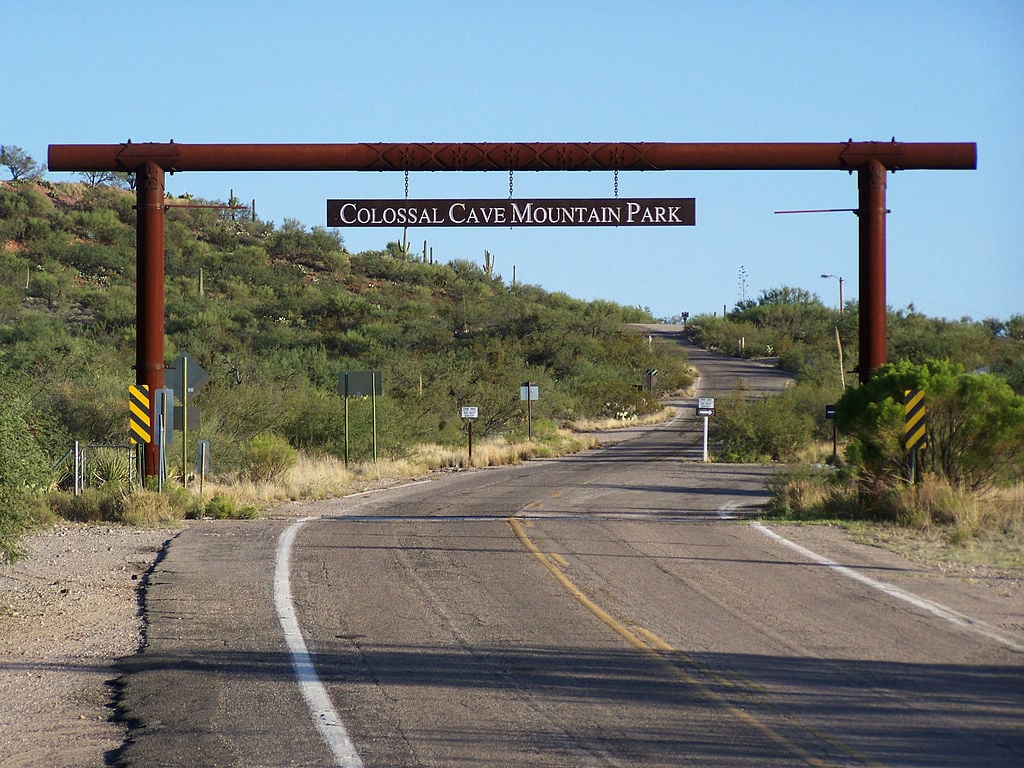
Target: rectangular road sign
x=543, y=212
x=470, y=412
x=163, y=416
x=529, y=391
x=915, y=427
x=360, y=383
x=140, y=417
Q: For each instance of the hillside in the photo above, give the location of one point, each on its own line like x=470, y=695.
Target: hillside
x=274, y=314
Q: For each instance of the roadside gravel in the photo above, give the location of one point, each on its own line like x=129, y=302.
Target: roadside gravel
x=68, y=611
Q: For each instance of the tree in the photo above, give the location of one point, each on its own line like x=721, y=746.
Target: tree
x=95, y=178
x=20, y=164
x=787, y=295
x=975, y=424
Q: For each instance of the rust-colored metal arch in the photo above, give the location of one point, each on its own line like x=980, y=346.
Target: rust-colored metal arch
x=870, y=160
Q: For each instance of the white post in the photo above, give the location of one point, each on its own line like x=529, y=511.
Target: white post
x=705, y=439
x=162, y=469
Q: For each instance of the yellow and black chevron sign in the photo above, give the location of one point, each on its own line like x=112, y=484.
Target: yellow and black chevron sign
x=140, y=421
x=915, y=426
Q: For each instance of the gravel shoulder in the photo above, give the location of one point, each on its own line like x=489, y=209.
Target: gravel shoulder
x=67, y=611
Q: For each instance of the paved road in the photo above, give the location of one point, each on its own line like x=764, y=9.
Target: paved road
x=610, y=609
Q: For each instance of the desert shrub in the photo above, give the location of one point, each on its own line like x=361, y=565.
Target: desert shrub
x=221, y=507
x=775, y=428
x=24, y=473
x=814, y=493
x=109, y=466
x=125, y=504
x=92, y=505
x=975, y=425
x=266, y=457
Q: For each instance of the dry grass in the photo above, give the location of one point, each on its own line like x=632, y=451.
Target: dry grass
x=312, y=478
x=603, y=425
x=818, y=452
x=932, y=522
x=971, y=527
x=323, y=477
x=125, y=505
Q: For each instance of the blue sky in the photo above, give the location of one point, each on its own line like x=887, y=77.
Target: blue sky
x=208, y=72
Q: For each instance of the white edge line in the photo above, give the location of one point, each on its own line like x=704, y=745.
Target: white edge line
x=325, y=717
x=953, y=617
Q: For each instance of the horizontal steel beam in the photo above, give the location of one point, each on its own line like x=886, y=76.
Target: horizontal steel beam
x=514, y=156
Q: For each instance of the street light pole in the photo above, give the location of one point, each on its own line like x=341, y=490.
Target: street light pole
x=839, y=343
x=837, y=277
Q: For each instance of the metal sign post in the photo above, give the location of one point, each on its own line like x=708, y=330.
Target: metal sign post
x=184, y=425
x=163, y=421
x=470, y=412
x=706, y=459
x=529, y=392
x=361, y=384
x=202, y=464
x=706, y=408
x=186, y=377
x=830, y=414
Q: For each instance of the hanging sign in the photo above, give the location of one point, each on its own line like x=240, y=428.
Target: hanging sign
x=546, y=212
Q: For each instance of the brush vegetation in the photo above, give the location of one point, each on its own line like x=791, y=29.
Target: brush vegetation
x=967, y=499
x=275, y=314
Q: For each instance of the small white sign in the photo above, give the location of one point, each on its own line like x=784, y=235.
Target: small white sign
x=706, y=403
x=470, y=411
x=529, y=392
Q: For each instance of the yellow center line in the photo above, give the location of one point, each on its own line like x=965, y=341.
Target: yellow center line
x=656, y=648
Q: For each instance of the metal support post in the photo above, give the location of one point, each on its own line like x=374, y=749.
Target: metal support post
x=871, y=227
x=78, y=469
x=373, y=405
x=149, y=297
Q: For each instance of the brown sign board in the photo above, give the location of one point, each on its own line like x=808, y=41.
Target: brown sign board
x=544, y=212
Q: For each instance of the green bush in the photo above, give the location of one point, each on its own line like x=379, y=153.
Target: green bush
x=92, y=505
x=774, y=428
x=24, y=474
x=975, y=425
x=221, y=507
x=266, y=457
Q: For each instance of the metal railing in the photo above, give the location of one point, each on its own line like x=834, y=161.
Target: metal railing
x=81, y=455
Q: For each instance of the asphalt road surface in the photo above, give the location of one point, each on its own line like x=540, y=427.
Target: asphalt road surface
x=615, y=608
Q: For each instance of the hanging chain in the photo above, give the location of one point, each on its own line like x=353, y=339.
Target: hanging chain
x=511, y=177
x=616, y=183
x=407, y=184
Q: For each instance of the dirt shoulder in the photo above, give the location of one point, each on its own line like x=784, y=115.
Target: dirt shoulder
x=67, y=611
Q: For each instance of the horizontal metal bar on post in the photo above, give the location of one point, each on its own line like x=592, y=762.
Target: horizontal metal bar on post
x=513, y=156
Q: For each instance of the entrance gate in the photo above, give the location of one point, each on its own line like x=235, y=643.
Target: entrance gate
x=150, y=161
